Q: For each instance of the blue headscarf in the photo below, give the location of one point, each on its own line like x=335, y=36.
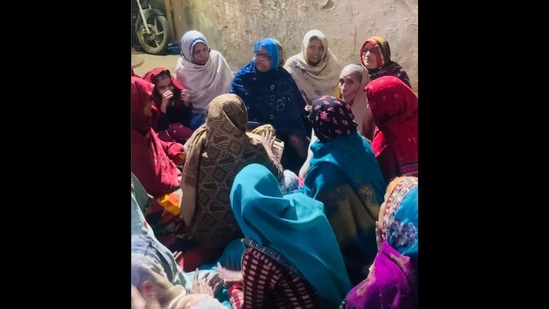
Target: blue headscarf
x=401, y=226
x=271, y=97
x=294, y=225
x=272, y=48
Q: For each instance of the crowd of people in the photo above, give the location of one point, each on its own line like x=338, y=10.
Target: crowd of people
x=290, y=183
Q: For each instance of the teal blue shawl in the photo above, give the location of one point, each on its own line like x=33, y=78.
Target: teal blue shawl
x=293, y=225
x=345, y=176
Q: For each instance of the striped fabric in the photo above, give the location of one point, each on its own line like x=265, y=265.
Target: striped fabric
x=269, y=283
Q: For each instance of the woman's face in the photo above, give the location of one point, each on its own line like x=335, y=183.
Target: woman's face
x=315, y=51
x=262, y=60
x=349, y=84
x=201, y=53
x=163, y=84
x=369, y=56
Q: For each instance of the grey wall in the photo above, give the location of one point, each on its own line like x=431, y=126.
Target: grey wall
x=233, y=26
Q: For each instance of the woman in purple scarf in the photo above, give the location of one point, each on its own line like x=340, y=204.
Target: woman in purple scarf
x=392, y=281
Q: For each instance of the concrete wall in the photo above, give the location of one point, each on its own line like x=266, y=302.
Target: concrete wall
x=233, y=26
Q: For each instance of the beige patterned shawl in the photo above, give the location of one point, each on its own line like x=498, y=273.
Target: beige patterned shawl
x=314, y=81
x=216, y=152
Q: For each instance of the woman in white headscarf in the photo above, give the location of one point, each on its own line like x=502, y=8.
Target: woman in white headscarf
x=315, y=69
x=203, y=72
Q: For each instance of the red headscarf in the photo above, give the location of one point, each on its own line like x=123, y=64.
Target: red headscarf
x=152, y=76
x=150, y=157
x=394, y=108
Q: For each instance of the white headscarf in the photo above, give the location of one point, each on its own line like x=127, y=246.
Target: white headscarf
x=314, y=81
x=204, y=82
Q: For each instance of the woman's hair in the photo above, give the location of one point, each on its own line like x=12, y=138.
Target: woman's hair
x=356, y=69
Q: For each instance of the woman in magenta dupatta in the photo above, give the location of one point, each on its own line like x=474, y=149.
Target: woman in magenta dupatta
x=392, y=281
x=394, y=107
x=153, y=162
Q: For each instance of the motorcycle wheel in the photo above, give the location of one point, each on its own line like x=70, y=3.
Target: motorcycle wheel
x=157, y=40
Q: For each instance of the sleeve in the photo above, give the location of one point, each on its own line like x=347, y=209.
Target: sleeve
x=274, y=165
x=237, y=86
x=322, y=179
x=174, y=151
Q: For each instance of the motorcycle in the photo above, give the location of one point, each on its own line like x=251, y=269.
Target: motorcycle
x=149, y=27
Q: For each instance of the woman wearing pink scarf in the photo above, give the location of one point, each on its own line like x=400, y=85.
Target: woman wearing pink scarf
x=392, y=281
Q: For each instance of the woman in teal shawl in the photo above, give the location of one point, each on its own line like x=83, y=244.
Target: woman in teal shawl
x=346, y=177
x=292, y=259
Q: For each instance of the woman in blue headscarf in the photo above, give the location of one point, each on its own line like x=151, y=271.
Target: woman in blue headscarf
x=292, y=259
x=345, y=175
x=392, y=282
x=272, y=97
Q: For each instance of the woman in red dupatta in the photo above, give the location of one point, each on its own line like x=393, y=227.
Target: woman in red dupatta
x=394, y=107
x=153, y=162
x=171, y=116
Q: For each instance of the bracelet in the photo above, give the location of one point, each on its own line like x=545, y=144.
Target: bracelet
x=236, y=286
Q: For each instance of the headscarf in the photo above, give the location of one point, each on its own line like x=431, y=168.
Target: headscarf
x=204, y=82
x=386, y=67
x=359, y=106
x=331, y=117
x=394, y=107
x=152, y=77
x=273, y=48
x=188, y=41
x=216, y=152
x=271, y=97
x=177, y=115
x=293, y=225
x=314, y=81
x=149, y=155
x=392, y=281
x=400, y=216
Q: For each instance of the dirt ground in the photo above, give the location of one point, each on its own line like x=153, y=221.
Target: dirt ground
x=143, y=62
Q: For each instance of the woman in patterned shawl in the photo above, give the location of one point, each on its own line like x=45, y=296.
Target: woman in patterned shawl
x=345, y=176
x=292, y=259
x=272, y=97
x=375, y=55
x=216, y=152
x=392, y=282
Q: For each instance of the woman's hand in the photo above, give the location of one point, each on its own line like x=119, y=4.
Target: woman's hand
x=229, y=276
x=268, y=139
x=166, y=96
x=185, y=96
x=206, y=285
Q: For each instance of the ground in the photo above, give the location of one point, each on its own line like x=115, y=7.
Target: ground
x=143, y=62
